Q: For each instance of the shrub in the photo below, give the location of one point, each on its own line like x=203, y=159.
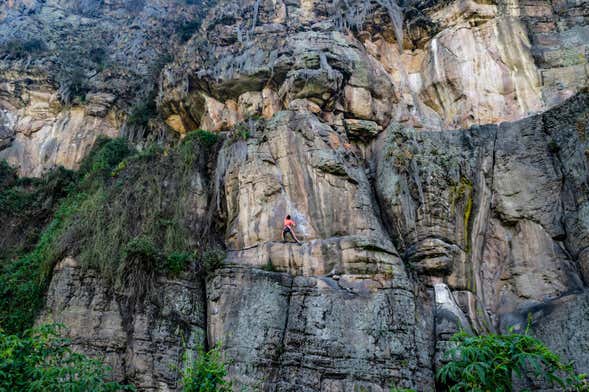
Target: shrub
x=24, y=276
x=204, y=373
x=73, y=83
x=120, y=167
x=488, y=363
x=105, y=156
x=139, y=267
x=141, y=248
x=21, y=293
x=193, y=142
x=177, y=262
x=24, y=279
x=41, y=361
x=201, y=137
x=20, y=196
x=212, y=259
x=240, y=132
x=141, y=113
x=118, y=219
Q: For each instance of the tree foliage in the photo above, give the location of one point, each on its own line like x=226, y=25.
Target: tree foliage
x=488, y=363
x=205, y=372
x=41, y=361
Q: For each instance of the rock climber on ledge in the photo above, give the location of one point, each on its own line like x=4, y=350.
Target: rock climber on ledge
x=288, y=229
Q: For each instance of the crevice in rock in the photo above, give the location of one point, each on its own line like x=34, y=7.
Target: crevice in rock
x=559, y=165
x=281, y=349
x=205, y=305
x=481, y=295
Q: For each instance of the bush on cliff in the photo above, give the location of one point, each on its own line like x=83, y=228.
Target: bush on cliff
x=43, y=209
x=118, y=195
x=41, y=361
x=205, y=372
x=33, y=215
x=488, y=363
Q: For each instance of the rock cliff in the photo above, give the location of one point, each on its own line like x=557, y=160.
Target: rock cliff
x=433, y=155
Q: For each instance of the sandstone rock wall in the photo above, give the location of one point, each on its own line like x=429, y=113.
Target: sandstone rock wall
x=143, y=342
x=437, y=173
x=459, y=64
x=430, y=232
x=82, y=67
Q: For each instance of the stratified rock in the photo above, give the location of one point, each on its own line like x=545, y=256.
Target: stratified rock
x=361, y=129
x=143, y=342
x=81, y=68
x=319, y=333
x=432, y=158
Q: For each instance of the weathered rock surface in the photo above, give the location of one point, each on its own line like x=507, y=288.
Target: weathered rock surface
x=462, y=63
x=318, y=333
x=73, y=70
x=143, y=342
x=436, y=169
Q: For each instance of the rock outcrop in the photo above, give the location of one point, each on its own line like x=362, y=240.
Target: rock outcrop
x=459, y=64
x=143, y=342
x=434, y=158
x=73, y=70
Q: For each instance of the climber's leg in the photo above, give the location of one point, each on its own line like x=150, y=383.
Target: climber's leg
x=294, y=237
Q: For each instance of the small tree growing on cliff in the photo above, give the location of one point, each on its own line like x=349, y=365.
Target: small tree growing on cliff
x=488, y=362
x=205, y=372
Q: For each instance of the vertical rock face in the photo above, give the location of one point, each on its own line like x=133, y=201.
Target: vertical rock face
x=71, y=70
x=141, y=340
x=488, y=216
x=459, y=64
x=434, y=159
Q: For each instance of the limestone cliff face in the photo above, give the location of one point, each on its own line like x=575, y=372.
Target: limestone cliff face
x=73, y=70
x=432, y=65
x=434, y=157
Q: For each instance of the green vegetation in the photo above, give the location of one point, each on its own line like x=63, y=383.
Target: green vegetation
x=129, y=202
x=176, y=262
x=29, y=209
x=142, y=112
x=123, y=214
x=77, y=60
x=241, y=132
x=488, y=363
x=106, y=154
x=41, y=361
x=72, y=79
x=463, y=191
x=212, y=259
x=205, y=372
x=139, y=267
x=21, y=195
x=200, y=137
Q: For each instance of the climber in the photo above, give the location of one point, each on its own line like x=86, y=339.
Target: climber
x=288, y=228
